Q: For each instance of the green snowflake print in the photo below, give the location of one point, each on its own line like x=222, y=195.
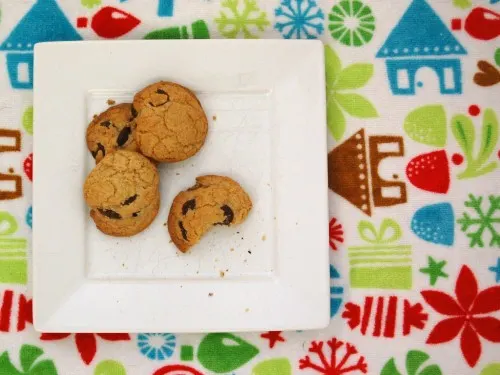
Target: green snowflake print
x=497, y=56
x=481, y=221
x=243, y=17
x=90, y=3
x=465, y=133
x=351, y=23
x=340, y=82
x=30, y=365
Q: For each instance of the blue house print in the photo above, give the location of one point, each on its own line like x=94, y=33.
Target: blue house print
x=44, y=22
x=421, y=39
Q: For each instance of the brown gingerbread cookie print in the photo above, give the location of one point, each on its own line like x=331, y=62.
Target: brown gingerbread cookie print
x=214, y=200
x=171, y=123
x=123, y=193
x=112, y=130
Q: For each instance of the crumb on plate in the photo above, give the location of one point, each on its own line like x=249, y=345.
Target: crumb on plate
x=111, y=102
x=221, y=273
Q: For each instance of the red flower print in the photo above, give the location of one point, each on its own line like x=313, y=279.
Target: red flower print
x=86, y=343
x=336, y=233
x=467, y=315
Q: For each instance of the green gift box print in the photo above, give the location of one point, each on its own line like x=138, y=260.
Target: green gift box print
x=382, y=262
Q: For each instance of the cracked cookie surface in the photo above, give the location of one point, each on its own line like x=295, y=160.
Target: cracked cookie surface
x=123, y=193
x=171, y=123
x=112, y=130
x=214, y=200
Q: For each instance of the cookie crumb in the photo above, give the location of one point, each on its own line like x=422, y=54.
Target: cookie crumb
x=221, y=273
x=249, y=252
x=111, y=102
x=231, y=249
x=210, y=294
x=177, y=174
x=214, y=117
x=247, y=309
x=11, y=170
x=94, y=116
x=264, y=237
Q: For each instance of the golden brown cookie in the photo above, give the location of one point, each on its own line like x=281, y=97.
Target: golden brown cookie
x=214, y=200
x=112, y=130
x=171, y=124
x=123, y=193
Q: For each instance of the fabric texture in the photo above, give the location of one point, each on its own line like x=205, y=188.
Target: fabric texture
x=413, y=105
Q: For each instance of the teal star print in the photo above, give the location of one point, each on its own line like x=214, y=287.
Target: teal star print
x=496, y=269
x=434, y=270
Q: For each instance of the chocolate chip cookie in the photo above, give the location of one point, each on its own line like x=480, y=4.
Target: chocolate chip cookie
x=123, y=193
x=171, y=123
x=214, y=200
x=112, y=130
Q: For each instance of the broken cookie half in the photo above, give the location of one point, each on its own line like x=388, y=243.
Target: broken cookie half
x=213, y=201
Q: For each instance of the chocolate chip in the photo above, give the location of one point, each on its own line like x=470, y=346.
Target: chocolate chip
x=134, y=111
x=101, y=148
x=189, y=205
x=110, y=213
x=129, y=200
x=229, y=215
x=135, y=214
x=106, y=124
x=123, y=136
x=160, y=91
x=183, y=231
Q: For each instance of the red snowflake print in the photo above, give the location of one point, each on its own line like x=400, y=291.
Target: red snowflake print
x=467, y=315
x=86, y=343
x=336, y=233
x=273, y=337
x=335, y=365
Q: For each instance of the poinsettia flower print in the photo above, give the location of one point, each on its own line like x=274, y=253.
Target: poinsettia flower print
x=467, y=315
x=86, y=343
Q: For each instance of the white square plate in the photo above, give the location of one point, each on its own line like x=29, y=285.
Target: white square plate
x=265, y=101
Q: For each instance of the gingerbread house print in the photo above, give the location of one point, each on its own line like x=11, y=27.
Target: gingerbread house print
x=421, y=39
x=44, y=22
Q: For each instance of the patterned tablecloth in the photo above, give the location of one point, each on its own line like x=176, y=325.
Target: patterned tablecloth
x=413, y=90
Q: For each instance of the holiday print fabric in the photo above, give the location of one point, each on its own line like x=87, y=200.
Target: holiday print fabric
x=413, y=113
